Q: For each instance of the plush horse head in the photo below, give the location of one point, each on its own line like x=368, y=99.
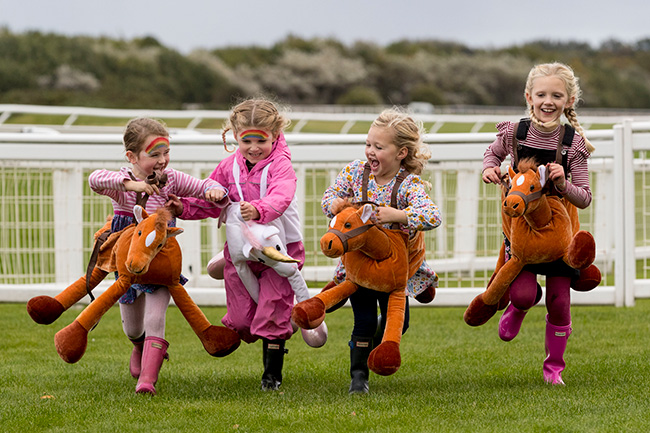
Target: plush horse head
x=374, y=258
x=540, y=230
x=146, y=253
x=149, y=237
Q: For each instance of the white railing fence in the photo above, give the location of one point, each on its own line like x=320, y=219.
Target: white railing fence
x=48, y=214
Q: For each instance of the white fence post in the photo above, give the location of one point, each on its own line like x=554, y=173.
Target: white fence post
x=68, y=223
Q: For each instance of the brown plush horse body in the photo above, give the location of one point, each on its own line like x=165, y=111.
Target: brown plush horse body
x=540, y=230
x=146, y=253
x=374, y=258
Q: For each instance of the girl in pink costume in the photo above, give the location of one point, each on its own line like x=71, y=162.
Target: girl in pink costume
x=551, y=90
x=143, y=306
x=262, y=182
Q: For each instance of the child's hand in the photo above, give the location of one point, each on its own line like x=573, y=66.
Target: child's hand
x=248, y=211
x=556, y=174
x=336, y=205
x=387, y=215
x=492, y=175
x=132, y=185
x=214, y=194
x=174, y=205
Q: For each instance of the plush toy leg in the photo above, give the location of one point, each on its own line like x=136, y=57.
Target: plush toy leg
x=485, y=304
x=555, y=342
x=135, y=363
x=273, y=358
x=45, y=309
x=589, y=279
x=386, y=359
x=335, y=307
x=316, y=337
x=581, y=251
x=360, y=349
x=310, y=313
x=71, y=341
x=217, y=340
x=153, y=353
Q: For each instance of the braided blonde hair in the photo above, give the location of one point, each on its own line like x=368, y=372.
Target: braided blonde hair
x=565, y=73
x=259, y=113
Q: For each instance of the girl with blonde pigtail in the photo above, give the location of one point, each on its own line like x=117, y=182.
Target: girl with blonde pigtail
x=551, y=90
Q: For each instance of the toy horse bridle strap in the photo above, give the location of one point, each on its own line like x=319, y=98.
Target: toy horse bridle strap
x=393, y=194
x=343, y=237
x=528, y=197
x=153, y=179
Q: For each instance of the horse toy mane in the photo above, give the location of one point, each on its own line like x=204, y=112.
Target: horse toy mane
x=144, y=253
x=541, y=229
x=375, y=258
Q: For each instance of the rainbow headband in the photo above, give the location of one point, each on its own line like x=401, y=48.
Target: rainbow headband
x=253, y=133
x=156, y=144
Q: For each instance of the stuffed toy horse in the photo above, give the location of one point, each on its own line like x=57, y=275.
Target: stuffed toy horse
x=264, y=243
x=146, y=253
x=374, y=258
x=540, y=230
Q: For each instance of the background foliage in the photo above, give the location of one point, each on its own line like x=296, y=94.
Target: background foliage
x=45, y=68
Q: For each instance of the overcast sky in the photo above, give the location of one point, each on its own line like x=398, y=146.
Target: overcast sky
x=189, y=24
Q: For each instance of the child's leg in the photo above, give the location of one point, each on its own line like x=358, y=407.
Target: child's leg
x=240, y=306
x=133, y=317
x=558, y=327
x=155, y=309
x=272, y=322
x=364, y=307
x=523, y=295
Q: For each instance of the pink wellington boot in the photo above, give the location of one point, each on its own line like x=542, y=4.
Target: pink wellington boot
x=555, y=342
x=153, y=353
x=510, y=322
x=135, y=363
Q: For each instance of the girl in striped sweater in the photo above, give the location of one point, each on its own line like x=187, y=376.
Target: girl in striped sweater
x=143, y=307
x=551, y=90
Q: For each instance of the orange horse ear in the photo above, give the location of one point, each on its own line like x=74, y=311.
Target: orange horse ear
x=174, y=231
x=139, y=213
x=511, y=172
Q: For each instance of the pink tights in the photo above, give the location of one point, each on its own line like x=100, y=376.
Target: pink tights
x=523, y=293
x=146, y=315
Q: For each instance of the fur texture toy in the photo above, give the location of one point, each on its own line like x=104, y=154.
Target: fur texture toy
x=264, y=243
x=540, y=230
x=146, y=253
x=375, y=258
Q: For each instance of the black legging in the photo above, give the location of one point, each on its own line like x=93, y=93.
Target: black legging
x=364, y=306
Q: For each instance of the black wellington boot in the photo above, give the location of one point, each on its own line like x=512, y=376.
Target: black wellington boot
x=360, y=348
x=273, y=358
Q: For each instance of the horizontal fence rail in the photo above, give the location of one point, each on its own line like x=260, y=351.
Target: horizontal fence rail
x=48, y=213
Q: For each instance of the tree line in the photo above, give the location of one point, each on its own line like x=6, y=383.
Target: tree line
x=52, y=69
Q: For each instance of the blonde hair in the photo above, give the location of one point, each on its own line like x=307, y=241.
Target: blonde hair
x=257, y=112
x=407, y=132
x=565, y=73
x=138, y=129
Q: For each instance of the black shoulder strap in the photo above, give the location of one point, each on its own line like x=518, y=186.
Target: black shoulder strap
x=520, y=132
x=562, y=156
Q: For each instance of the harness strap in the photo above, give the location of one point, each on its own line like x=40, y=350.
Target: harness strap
x=393, y=195
x=152, y=179
x=527, y=198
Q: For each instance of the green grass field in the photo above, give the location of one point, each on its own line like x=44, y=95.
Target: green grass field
x=453, y=378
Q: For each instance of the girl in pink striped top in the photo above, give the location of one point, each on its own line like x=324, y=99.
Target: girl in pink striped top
x=143, y=307
x=551, y=90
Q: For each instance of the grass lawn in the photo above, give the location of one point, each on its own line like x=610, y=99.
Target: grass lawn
x=453, y=378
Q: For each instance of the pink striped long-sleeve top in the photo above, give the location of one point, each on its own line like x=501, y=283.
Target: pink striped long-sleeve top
x=111, y=184
x=577, y=189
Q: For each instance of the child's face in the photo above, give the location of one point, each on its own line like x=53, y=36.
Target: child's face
x=385, y=158
x=254, y=144
x=153, y=156
x=549, y=98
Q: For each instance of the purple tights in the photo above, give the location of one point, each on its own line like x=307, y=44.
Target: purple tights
x=523, y=292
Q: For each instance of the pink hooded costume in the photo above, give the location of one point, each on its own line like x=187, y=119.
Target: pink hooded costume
x=270, y=186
